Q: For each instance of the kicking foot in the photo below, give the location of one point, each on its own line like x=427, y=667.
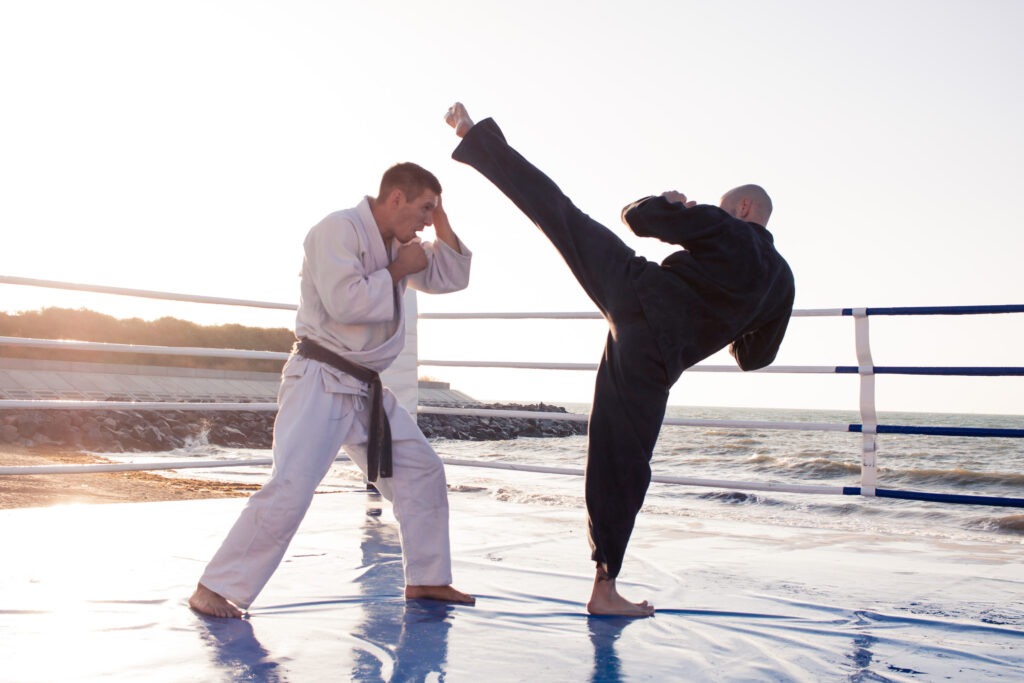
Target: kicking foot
x=206, y=601
x=458, y=118
x=605, y=600
x=442, y=593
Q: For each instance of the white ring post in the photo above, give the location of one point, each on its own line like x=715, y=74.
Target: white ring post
x=868, y=413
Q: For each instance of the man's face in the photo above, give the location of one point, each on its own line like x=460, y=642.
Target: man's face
x=412, y=216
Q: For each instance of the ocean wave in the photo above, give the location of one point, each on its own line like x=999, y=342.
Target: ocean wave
x=840, y=509
x=465, y=488
x=821, y=466
x=732, y=497
x=1010, y=524
x=728, y=433
x=955, y=477
x=508, y=494
x=746, y=442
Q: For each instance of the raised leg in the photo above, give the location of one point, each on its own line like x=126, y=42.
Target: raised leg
x=601, y=262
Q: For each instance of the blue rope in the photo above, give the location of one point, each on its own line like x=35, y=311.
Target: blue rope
x=947, y=371
x=940, y=497
x=944, y=431
x=950, y=498
x=941, y=310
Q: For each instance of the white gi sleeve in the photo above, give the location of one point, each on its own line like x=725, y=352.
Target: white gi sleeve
x=447, y=270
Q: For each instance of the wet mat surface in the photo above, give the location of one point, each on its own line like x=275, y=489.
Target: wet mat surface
x=99, y=593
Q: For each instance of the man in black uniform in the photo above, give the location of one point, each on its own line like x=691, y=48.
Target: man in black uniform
x=728, y=286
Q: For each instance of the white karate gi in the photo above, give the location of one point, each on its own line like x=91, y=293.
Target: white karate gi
x=349, y=305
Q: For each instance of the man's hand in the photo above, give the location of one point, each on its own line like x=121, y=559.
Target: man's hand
x=677, y=198
x=443, y=229
x=458, y=118
x=411, y=259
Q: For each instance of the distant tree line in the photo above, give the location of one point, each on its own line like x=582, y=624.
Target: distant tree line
x=85, y=325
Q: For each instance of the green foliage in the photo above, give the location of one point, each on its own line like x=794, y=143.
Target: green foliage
x=85, y=325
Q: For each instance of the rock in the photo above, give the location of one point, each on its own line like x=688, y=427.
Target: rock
x=473, y=428
x=126, y=430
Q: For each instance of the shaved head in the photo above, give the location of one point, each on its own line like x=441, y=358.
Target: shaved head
x=748, y=203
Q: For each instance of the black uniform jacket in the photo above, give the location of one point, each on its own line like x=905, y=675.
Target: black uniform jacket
x=727, y=286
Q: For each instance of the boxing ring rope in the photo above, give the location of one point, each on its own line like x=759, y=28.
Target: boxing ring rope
x=869, y=426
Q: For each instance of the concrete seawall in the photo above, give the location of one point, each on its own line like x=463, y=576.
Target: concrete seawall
x=160, y=430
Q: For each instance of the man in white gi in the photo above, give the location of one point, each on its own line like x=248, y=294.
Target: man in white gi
x=357, y=265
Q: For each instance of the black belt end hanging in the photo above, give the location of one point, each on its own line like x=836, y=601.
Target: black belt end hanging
x=378, y=448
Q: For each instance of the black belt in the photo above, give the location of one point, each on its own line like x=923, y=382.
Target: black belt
x=378, y=451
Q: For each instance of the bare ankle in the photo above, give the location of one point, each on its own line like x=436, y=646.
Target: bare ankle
x=605, y=599
x=439, y=593
x=209, y=602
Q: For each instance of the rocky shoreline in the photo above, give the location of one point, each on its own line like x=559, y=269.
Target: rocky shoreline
x=117, y=431
x=473, y=428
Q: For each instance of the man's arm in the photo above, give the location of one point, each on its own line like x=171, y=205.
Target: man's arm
x=448, y=260
x=443, y=229
x=757, y=349
x=672, y=218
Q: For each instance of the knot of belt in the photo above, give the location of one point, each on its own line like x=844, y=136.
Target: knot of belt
x=378, y=451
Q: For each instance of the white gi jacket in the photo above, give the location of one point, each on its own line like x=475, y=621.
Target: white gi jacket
x=349, y=303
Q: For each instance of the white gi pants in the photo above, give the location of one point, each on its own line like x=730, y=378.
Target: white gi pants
x=314, y=421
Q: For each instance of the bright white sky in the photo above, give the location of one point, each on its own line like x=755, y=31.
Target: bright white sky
x=188, y=146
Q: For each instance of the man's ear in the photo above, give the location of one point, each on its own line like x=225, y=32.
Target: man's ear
x=395, y=198
x=743, y=208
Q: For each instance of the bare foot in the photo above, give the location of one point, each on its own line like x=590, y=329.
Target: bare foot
x=458, y=118
x=206, y=601
x=442, y=593
x=605, y=600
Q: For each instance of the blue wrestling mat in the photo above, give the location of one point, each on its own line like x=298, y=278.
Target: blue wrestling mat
x=99, y=593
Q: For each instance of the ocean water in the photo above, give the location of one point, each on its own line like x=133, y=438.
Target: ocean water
x=935, y=464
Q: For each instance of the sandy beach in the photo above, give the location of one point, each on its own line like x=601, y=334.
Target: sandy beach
x=19, y=491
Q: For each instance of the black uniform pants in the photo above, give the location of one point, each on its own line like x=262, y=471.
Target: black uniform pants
x=631, y=389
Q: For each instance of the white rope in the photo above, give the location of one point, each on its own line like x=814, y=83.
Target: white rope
x=455, y=462
x=585, y=315
x=817, y=312
x=675, y=421
x=588, y=315
x=508, y=364
x=143, y=293
x=132, y=466
x=139, y=348
x=772, y=369
x=132, y=405
x=684, y=481
x=65, y=345
x=222, y=301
